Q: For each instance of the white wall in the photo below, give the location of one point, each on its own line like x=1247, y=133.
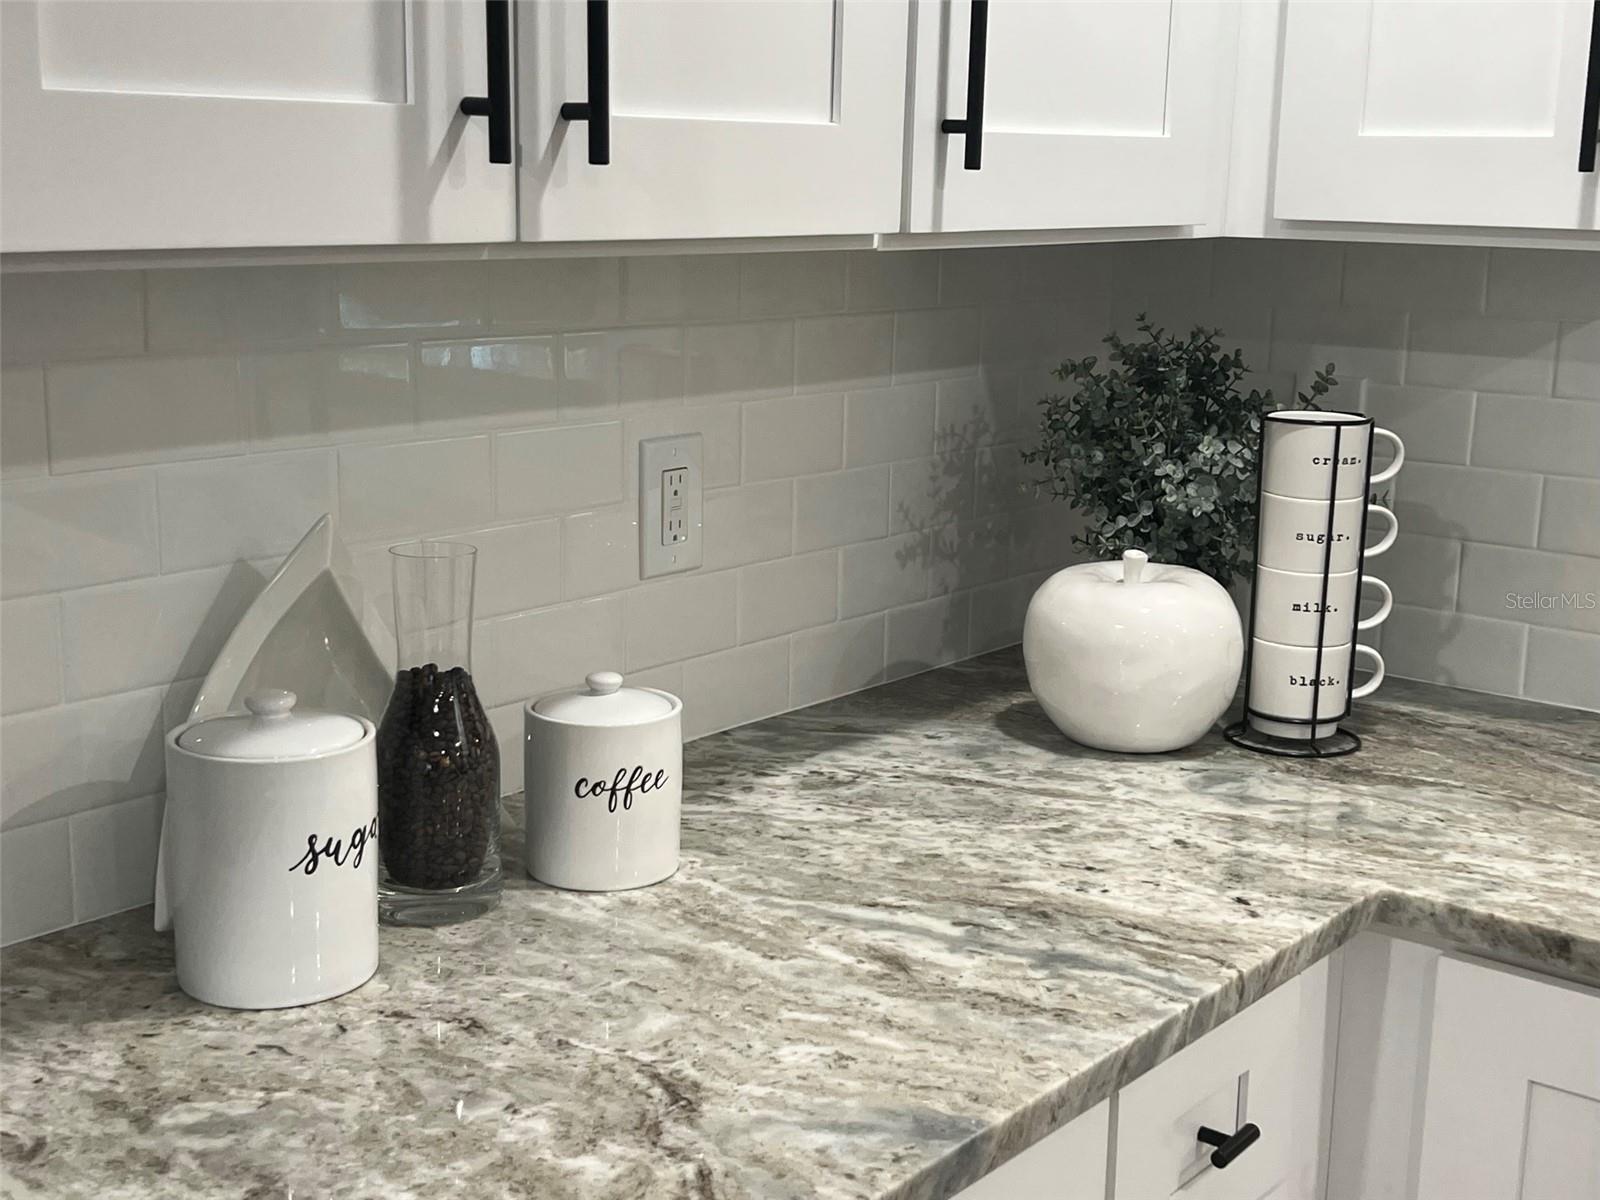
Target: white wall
x=167, y=435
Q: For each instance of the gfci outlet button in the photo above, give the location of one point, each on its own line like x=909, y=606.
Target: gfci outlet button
x=670, y=532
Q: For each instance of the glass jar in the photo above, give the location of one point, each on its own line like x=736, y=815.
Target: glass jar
x=438, y=762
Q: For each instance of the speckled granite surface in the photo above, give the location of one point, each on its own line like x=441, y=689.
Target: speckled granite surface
x=914, y=931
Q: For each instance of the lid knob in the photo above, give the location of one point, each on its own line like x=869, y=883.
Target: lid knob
x=603, y=683
x=1133, y=562
x=272, y=702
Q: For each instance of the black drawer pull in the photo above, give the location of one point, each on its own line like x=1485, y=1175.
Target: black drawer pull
x=597, y=108
x=497, y=104
x=1228, y=1145
x=977, y=58
x=1589, y=130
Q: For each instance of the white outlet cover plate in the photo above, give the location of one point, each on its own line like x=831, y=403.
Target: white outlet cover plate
x=657, y=455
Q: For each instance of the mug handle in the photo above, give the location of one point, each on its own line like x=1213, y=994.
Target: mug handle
x=1371, y=685
x=1382, y=615
x=1388, y=539
x=1393, y=468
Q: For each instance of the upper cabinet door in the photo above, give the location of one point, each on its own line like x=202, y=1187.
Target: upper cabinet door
x=145, y=124
x=1095, y=113
x=715, y=118
x=1439, y=112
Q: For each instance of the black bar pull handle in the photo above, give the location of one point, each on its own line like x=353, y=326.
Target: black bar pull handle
x=977, y=56
x=1228, y=1145
x=597, y=108
x=1589, y=131
x=497, y=104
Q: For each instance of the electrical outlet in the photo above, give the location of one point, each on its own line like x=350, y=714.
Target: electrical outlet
x=670, y=531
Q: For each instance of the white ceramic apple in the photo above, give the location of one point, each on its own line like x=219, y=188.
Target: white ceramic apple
x=1132, y=655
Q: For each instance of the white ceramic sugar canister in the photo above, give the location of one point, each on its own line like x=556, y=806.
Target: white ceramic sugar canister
x=268, y=871
x=1132, y=656
x=603, y=778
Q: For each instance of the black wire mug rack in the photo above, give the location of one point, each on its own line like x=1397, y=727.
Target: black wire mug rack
x=1340, y=741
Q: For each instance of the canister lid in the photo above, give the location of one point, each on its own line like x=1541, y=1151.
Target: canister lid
x=606, y=702
x=272, y=729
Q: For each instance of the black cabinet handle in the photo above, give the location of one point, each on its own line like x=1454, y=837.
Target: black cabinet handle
x=497, y=104
x=1589, y=133
x=1228, y=1145
x=977, y=56
x=597, y=108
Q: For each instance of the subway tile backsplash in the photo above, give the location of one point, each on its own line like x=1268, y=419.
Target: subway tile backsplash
x=166, y=435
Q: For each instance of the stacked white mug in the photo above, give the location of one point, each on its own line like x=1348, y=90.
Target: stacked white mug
x=1310, y=555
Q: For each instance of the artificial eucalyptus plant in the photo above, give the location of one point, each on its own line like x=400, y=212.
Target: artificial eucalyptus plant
x=1157, y=448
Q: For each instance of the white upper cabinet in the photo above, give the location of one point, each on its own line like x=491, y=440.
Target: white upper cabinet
x=132, y=124
x=710, y=118
x=1442, y=112
x=1067, y=115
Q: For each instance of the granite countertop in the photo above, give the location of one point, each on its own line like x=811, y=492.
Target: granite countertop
x=915, y=930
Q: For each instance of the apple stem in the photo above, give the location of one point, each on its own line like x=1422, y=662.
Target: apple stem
x=1133, y=562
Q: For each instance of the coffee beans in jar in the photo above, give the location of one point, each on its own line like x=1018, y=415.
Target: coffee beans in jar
x=438, y=782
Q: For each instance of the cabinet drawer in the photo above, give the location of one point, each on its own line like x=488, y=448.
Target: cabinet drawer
x=1265, y=1067
x=1070, y=1164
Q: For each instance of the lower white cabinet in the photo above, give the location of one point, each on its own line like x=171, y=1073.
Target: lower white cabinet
x=1070, y=1164
x=1512, y=1107
x=1389, y=1071
x=1264, y=1067
x=1462, y=1080
x=1260, y=1070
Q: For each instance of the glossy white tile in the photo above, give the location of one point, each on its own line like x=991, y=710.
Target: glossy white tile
x=601, y=551
x=486, y=383
x=57, y=534
x=30, y=668
x=853, y=351
x=889, y=424
x=239, y=306
x=24, y=442
x=790, y=284
x=519, y=566
x=151, y=631
x=680, y=618
x=555, y=293
x=740, y=361
x=35, y=881
x=555, y=470
x=256, y=507
x=114, y=856
x=121, y=412
x=748, y=524
x=883, y=574
x=735, y=687
x=521, y=657
x=415, y=488
x=787, y=594
x=844, y=507
x=332, y=393
x=836, y=659
x=49, y=316
x=798, y=435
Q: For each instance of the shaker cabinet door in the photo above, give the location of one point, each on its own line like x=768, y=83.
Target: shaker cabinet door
x=1094, y=113
x=146, y=124
x=1441, y=112
x=1512, y=1108
x=710, y=118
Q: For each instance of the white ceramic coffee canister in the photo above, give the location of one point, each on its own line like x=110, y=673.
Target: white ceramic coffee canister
x=268, y=873
x=603, y=780
x=1132, y=655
